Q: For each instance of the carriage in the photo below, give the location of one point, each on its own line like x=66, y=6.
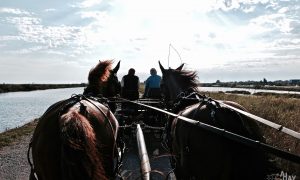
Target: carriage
x=185, y=136
x=142, y=131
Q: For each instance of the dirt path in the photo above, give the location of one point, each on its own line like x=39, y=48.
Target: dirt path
x=13, y=160
x=14, y=164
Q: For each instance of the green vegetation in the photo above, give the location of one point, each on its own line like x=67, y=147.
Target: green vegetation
x=279, y=85
x=264, y=94
x=142, y=88
x=238, y=92
x=30, y=87
x=13, y=135
x=277, y=95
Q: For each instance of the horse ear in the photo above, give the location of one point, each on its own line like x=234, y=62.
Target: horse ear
x=116, y=69
x=180, y=67
x=161, y=67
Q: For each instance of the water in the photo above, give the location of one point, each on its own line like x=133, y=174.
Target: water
x=18, y=108
x=224, y=89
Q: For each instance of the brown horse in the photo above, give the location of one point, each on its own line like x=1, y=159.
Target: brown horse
x=200, y=154
x=76, y=138
x=96, y=88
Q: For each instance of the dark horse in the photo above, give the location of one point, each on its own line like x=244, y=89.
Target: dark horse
x=198, y=153
x=76, y=138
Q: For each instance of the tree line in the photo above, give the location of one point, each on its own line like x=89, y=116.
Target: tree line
x=30, y=87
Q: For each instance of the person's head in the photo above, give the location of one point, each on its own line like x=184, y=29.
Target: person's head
x=131, y=71
x=153, y=71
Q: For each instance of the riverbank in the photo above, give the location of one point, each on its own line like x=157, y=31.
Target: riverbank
x=14, y=135
x=279, y=95
x=31, y=87
x=13, y=160
x=13, y=152
x=259, y=86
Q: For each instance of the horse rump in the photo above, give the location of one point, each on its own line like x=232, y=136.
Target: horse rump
x=79, y=153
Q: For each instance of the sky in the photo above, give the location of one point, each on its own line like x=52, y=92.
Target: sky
x=228, y=40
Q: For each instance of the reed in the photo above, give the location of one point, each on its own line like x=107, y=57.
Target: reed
x=280, y=110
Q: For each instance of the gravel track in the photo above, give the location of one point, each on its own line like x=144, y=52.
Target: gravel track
x=13, y=160
x=14, y=164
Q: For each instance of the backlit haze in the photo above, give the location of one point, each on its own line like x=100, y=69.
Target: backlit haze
x=58, y=41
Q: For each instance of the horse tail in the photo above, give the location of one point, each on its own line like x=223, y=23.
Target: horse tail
x=79, y=154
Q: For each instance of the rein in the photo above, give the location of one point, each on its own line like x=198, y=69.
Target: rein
x=229, y=135
x=183, y=99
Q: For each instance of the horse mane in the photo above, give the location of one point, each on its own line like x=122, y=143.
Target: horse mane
x=187, y=78
x=100, y=72
x=97, y=77
x=79, y=153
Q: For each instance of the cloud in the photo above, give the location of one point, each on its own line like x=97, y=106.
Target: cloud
x=50, y=10
x=97, y=15
x=207, y=34
x=58, y=38
x=10, y=38
x=20, y=21
x=273, y=22
x=27, y=50
x=87, y=3
x=14, y=11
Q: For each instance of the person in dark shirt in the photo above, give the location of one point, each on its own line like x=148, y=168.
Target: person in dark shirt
x=130, y=86
x=152, y=85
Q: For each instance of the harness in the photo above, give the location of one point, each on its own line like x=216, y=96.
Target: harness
x=183, y=101
x=191, y=97
x=77, y=98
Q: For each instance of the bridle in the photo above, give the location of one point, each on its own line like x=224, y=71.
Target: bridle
x=113, y=86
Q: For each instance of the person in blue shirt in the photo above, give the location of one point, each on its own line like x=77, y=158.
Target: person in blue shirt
x=152, y=85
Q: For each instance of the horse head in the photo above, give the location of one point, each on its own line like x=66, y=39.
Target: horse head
x=103, y=80
x=113, y=83
x=176, y=81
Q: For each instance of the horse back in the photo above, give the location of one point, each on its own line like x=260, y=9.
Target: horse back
x=206, y=155
x=70, y=140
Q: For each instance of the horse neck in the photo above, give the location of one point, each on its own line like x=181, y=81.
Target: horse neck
x=175, y=89
x=94, y=90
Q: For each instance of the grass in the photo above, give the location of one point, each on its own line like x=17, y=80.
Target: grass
x=14, y=135
x=280, y=110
